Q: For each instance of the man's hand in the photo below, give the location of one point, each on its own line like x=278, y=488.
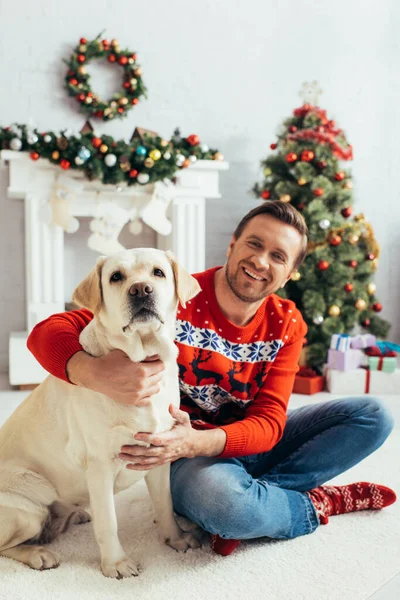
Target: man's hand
x=116, y=376
x=182, y=441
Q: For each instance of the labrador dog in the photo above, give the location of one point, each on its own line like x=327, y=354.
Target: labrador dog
x=59, y=449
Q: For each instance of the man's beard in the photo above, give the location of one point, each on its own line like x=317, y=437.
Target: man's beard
x=233, y=282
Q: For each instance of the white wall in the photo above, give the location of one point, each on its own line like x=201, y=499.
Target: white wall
x=229, y=71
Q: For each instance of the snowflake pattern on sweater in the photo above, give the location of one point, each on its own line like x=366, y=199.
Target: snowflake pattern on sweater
x=228, y=372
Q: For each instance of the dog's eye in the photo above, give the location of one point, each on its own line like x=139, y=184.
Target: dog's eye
x=158, y=273
x=117, y=276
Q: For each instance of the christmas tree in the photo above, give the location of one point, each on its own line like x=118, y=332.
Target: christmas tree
x=333, y=288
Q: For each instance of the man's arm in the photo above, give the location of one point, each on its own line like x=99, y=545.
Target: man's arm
x=55, y=344
x=265, y=419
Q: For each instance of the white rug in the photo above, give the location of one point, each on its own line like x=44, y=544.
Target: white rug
x=349, y=559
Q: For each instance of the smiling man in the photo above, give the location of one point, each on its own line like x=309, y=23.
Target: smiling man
x=242, y=465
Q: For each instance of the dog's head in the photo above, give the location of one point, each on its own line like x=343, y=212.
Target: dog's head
x=137, y=288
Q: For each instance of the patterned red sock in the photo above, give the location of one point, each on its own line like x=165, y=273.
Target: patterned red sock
x=331, y=500
x=222, y=546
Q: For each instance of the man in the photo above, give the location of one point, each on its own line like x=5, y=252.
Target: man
x=241, y=468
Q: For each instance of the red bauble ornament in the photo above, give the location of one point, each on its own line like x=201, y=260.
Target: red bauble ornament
x=322, y=164
x=370, y=256
x=193, y=139
x=120, y=109
x=83, y=41
x=318, y=192
x=377, y=307
x=34, y=155
x=65, y=164
x=346, y=212
x=135, y=101
x=73, y=81
x=111, y=58
x=348, y=287
x=292, y=128
x=105, y=43
x=123, y=60
x=266, y=194
x=340, y=176
x=96, y=141
x=81, y=97
x=300, y=206
x=127, y=85
x=323, y=265
x=335, y=240
x=99, y=114
x=133, y=56
x=291, y=157
x=353, y=263
x=307, y=155
x=273, y=146
x=366, y=323
x=81, y=58
x=133, y=173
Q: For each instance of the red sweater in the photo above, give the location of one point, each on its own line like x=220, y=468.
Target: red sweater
x=236, y=378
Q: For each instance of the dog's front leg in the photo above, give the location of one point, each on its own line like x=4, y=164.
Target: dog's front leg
x=158, y=484
x=114, y=561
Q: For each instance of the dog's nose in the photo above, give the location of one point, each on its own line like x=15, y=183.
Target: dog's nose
x=141, y=289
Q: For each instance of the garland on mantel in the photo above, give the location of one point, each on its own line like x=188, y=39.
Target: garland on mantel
x=147, y=158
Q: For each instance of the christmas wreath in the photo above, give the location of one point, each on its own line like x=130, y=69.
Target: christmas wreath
x=77, y=80
x=147, y=158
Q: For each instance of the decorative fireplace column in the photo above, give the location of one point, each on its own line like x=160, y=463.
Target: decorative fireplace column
x=34, y=182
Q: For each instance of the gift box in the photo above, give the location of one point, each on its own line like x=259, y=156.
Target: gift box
x=362, y=341
x=362, y=381
x=381, y=359
x=344, y=361
x=308, y=382
x=340, y=341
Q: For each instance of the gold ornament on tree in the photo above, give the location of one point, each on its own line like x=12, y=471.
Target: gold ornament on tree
x=371, y=288
x=360, y=304
x=285, y=198
x=334, y=311
x=302, y=181
x=296, y=276
x=353, y=239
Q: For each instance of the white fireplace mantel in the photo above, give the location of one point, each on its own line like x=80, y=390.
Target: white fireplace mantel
x=34, y=182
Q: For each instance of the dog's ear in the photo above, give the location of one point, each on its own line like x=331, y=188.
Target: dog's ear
x=89, y=292
x=186, y=286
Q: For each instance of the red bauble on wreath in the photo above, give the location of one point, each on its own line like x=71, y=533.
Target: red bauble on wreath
x=77, y=80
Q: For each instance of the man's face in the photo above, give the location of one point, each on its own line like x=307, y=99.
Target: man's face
x=262, y=259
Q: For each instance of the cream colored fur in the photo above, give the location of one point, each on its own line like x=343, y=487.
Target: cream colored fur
x=59, y=449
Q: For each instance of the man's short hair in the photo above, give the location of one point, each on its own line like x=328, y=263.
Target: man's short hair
x=285, y=212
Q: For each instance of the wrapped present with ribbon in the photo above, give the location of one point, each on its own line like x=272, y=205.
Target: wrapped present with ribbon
x=381, y=358
x=344, y=360
x=340, y=341
x=361, y=341
x=362, y=381
x=307, y=381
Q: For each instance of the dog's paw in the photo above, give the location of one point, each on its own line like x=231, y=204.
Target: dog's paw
x=184, y=542
x=80, y=516
x=39, y=558
x=122, y=568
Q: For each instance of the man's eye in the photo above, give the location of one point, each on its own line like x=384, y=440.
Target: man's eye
x=117, y=276
x=158, y=273
x=255, y=244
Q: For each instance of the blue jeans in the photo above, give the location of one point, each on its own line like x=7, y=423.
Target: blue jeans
x=263, y=494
